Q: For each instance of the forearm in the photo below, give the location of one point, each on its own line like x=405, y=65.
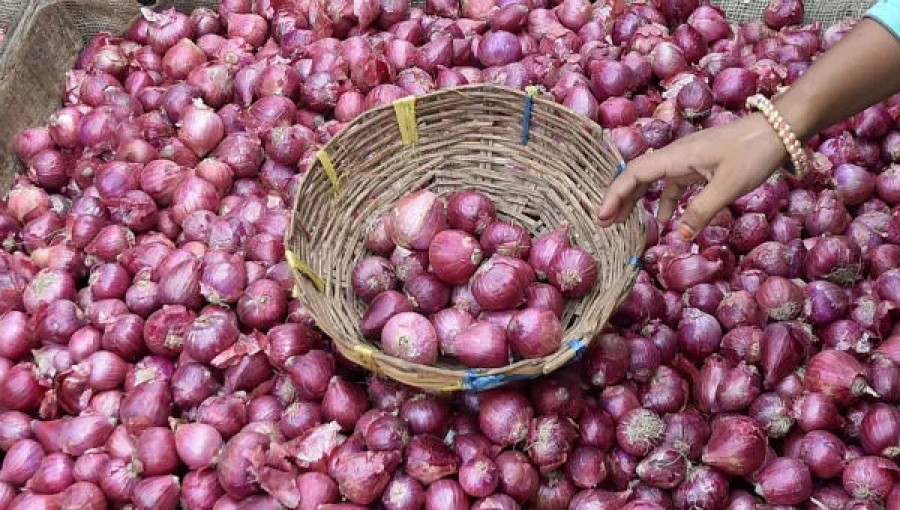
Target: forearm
x=858, y=72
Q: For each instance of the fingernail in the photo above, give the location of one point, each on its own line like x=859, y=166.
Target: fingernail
x=686, y=232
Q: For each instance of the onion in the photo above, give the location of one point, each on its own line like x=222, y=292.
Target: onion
x=869, y=477
x=504, y=416
x=781, y=13
x=736, y=445
x=371, y=276
x=416, y=219
x=507, y=239
x=500, y=283
x=482, y=345
x=455, y=255
x=573, y=271
x=834, y=258
x=838, y=375
x=408, y=263
x=534, y=333
x=448, y=323
x=410, y=336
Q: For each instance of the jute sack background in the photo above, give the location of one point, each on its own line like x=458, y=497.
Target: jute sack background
x=44, y=37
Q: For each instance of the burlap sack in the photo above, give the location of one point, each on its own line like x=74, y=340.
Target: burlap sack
x=44, y=37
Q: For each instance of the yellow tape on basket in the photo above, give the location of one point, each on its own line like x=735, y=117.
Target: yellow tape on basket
x=367, y=355
x=405, y=109
x=303, y=268
x=328, y=166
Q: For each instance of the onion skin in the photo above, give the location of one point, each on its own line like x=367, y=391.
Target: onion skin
x=470, y=211
x=736, y=445
x=412, y=337
x=416, y=219
x=534, y=333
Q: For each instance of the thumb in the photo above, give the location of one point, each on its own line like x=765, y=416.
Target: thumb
x=703, y=207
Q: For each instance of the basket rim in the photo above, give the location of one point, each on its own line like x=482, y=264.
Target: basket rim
x=370, y=356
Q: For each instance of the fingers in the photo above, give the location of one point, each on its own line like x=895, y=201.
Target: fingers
x=633, y=182
x=721, y=191
x=671, y=194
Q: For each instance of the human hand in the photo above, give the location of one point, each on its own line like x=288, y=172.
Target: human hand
x=732, y=159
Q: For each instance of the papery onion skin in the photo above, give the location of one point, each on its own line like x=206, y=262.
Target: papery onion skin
x=412, y=337
x=416, y=219
x=534, y=333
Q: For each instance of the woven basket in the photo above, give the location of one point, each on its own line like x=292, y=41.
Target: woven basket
x=541, y=163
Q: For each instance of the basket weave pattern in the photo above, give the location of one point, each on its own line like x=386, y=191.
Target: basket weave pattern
x=465, y=138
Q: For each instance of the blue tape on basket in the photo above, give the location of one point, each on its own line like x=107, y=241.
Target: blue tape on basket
x=635, y=261
x=531, y=91
x=578, y=346
x=526, y=119
x=477, y=382
x=619, y=169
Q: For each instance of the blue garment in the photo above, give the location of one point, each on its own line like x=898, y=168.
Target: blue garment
x=887, y=12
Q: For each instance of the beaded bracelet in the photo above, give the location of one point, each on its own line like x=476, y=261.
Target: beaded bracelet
x=799, y=161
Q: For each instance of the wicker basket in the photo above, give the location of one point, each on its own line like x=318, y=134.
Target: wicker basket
x=541, y=163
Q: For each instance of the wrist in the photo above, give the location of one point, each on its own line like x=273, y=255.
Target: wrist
x=800, y=113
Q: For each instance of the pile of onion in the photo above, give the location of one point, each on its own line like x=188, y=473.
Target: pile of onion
x=469, y=282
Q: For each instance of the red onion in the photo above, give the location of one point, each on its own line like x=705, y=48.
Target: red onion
x=500, y=283
x=317, y=489
x=21, y=388
x=382, y=308
x=682, y=271
x=733, y=86
x=817, y=411
x=166, y=28
x=573, y=271
x=410, y=336
x=834, y=258
x=507, y=239
x=155, y=450
x=371, y=276
x=785, y=481
x=534, y=333
x=455, y=255
x=825, y=302
x=836, y=374
x=448, y=323
x=699, y=334
x=607, y=360
x=146, y=406
x=21, y=462
x=504, y=416
x=854, y=185
x=15, y=426
x=497, y=48
x=736, y=445
x=263, y=305
x=823, y=453
x=408, y=263
x=546, y=247
x=428, y=459
x=482, y=345
x=869, y=478
x=402, y=493
x=878, y=432
x=782, y=348
x=581, y=100
x=416, y=219
x=197, y=444
x=446, y=494
x=555, y=492
x=611, y=79
x=343, y=402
